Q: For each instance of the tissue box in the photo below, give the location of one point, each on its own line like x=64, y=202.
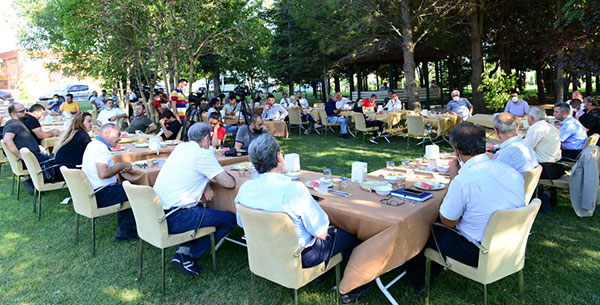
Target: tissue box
x=359, y=172
x=292, y=162
x=432, y=152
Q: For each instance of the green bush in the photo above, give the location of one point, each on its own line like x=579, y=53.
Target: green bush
x=496, y=88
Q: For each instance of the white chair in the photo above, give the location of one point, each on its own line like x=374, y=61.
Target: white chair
x=416, y=128
x=531, y=177
x=296, y=119
x=325, y=122
x=501, y=252
x=274, y=252
x=37, y=177
x=152, y=227
x=16, y=166
x=360, y=124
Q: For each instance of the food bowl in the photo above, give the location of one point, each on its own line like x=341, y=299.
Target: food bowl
x=382, y=190
x=442, y=168
x=391, y=178
x=293, y=175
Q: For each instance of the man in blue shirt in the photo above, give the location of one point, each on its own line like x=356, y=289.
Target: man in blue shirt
x=332, y=117
x=460, y=106
x=516, y=106
x=572, y=133
x=513, y=151
x=54, y=104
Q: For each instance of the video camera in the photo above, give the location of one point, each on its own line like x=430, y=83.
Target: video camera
x=197, y=97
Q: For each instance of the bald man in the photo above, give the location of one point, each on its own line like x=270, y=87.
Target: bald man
x=513, y=151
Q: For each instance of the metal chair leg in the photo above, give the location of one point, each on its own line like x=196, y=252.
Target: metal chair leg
x=93, y=236
x=141, y=259
x=34, y=201
x=40, y=203
x=337, y=284
x=427, y=276
x=521, y=286
x=296, y=296
x=252, y=279
x=76, y=228
x=485, y=297
x=12, y=190
x=163, y=270
x=213, y=251
x=18, y=187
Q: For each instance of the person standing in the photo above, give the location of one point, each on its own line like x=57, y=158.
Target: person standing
x=178, y=103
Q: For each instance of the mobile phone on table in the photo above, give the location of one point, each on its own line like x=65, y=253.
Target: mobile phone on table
x=317, y=198
x=413, y=191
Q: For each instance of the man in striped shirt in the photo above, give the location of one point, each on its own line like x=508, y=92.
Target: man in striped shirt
x=513, y=151
x=178, y=104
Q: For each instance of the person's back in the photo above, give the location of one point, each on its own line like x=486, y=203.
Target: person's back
x=71, y=153
x=513, y=151
x=23, y=137
x=591, y=121
x=97, y=152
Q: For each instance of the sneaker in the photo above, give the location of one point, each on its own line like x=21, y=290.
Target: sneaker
x=345, y=136
x=356, y=294
x=318, y=125
x=185, y=265
x=29, y=186
x=119, y=236
x=372, y=140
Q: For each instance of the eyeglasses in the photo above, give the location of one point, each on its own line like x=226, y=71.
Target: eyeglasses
x=20, y=111
x=392, y=201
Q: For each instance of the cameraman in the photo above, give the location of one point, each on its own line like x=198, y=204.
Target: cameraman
x=247, y=133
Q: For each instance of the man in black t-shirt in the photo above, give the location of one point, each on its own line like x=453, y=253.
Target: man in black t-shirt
x=591, y=119
x=170, y=125
x=32, y=122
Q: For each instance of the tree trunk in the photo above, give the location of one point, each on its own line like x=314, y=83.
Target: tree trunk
x=408, y=51
x=588, y=84
x=451, y=74
x=290, y=88
x=216, y=75
x=476, y=26
x=314, y=87
x=598, y=84
x=539, y=78
x=336, y=83
x=325, y=87
x=559, y=86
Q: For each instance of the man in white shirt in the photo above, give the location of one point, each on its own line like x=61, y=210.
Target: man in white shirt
x=394, y=103
x=182, y=185
x=111, y=114
x=273, y=111
x=275, y=192
x=97, y=101
x=302, y=101
x=101, y=171
x=285, y=101
x=512, y=151
x=342, y=102
x=479, y=186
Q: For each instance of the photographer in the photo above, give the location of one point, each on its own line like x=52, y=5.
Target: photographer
x=247, y=133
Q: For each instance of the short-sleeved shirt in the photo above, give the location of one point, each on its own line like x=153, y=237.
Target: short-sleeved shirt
x=172, y=127
x=303, y=102
x=220, y=133
x=97, y=151
x=179, y=99
x=32, y=123
x=71, y=154
x=66, y=107
x=591, y=121
x=106, y=114
x=521, y=108
x=54, y=106
x=461, y=107
x=277, y=193
x=184, y=176
x=367, y=103
x=23, y=137
x=482, y=187
x=139, y=124
x=246, y=137
x=572, y=134
x=515, y=153
x=330, y=108
x=544, y=139
x=99, y=102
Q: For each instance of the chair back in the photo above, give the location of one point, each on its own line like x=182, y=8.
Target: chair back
x=359, y=121
x=294, y=116
x=415, y=125
x=272, y=242
x=505, y=238
x=317, y=105
x=33, y=167
x=147, y=211
x=591, y=140
x=15, y=164
x=178, y=137
x=531, y=177
x=323, y=116
x=94, y=113
x=80, y=190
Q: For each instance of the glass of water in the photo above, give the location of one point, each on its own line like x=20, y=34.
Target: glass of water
x=327, y=173
x=390, y=165
x=323, y=186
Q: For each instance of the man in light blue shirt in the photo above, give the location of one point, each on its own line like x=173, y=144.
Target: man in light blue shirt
x=572, y=133
x=460, y=106
x=274, y=111
x=516, y=106
x=513, y=151
x=274, y=192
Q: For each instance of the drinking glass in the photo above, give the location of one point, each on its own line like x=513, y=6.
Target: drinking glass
x=390, y=165
x=344, y=183
x=323, y=185
x=327, y=173
x=405, y=163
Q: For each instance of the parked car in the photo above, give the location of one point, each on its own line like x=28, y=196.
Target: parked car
x=6, y=96
x=80, y=92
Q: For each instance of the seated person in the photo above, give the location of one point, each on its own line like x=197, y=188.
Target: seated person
x=544, y=139
x=341, y=102
x=273, y=111
x=576, y=108
x=479, y=187
x=217, y=132
x=302, y=101
x=370, y=102
x=32, y=121
x=232, y=107
x=69, y=108
x=73, y=142
x=97, y=101
x=516, y=105
x=332, y=116
x=247, y=133
x=181, y=185
x=285, y=101
x=384, y=87
x=572, y=133
x=358, y=107
x=111, y=114
x=141, y=121
x=305, y=117
x=274, y=192
x=394, y=103
x=459, y=105
x=170, y=125
x=513, y=151
x=55, y=103
x=591, y=118
x=390, y=92
x=214, y=105
x=101, y=171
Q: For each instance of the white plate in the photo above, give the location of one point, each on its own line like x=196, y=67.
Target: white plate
x=436, y=186
x=243, y=166
x=141, y=145
x=307, y=183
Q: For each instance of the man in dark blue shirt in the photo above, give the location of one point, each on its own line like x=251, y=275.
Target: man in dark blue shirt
x=332, y=117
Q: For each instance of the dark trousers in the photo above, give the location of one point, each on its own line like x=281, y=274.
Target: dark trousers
x=309, y=118
x=115, y=194
x=189, y=219
x=450, y=244
x=570, y=154
x=320, y=251
x=552, y=171
x=378, y=124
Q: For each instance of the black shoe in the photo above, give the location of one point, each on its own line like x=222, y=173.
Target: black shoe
x=29, y=186
x=119, y=236
x=345, y=136
x=185, y=265
x=355, y=294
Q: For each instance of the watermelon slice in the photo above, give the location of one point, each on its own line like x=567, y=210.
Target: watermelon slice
x=117, y=147
x=426, y=185
x=314, y=183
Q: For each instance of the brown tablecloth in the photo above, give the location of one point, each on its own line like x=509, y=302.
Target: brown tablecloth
x=132, y=153
x=148, y=175
x=390, y=235
x=277, y=128
x=484, y=120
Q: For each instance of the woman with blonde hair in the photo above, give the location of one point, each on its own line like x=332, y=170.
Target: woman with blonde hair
x=72, y=143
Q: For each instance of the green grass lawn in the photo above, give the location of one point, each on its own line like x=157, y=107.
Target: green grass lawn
x=39, y=264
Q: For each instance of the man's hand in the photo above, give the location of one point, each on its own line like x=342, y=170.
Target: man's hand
x=208, y=194
x=55, y=132
x=125, y=167
x=112, y=118
x=454, y=168
x=162, y=121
